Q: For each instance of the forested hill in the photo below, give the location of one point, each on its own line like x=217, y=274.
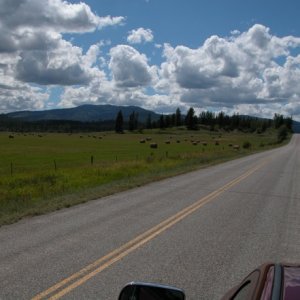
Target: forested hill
x=84, y=113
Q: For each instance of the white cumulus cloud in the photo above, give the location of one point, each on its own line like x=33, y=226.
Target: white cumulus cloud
x=140, y=35
x=234, y=72
x=252, y=72
x=55, y=15
x=31, y=33
x=129, y=67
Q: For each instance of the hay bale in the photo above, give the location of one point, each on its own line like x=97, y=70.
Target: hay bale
x=142, y=141
x=153, y=145
x=236, y=147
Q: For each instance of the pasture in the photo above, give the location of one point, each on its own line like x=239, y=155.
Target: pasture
x=41, y=172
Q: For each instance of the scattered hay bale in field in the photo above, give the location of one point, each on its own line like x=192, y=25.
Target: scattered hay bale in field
x=230, y=145
x=236, y=147
x=217, y=143
x=195, y=143
x=100, y=137
x=153, y=145
x=167, y=142
x=11, y=136
x=204, y=143
x=142, y=141
x=178, y=141
x=148, y=138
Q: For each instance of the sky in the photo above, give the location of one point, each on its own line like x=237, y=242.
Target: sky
x=232, y=56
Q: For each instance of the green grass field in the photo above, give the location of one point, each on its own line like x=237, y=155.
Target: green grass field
x=45, y=172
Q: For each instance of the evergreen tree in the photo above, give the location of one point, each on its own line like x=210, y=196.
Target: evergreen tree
x=178, y=121
x=173, y=120
x=162, y=123
x=278, y=120
x=167, y=121
x=221, y=119
x=191, y=120
x=289, y=123
x=119, y=122
x=133, y=121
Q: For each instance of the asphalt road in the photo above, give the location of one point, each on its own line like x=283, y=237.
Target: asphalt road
x=202, y=231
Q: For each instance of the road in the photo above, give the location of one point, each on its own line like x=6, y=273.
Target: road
x=202, y=231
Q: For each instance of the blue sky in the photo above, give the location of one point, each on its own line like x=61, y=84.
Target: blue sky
x=235, y=56
x=190, y=22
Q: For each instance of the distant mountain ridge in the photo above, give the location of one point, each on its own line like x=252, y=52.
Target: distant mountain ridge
x=296, y=126
x=96, y=113
x=84, y=113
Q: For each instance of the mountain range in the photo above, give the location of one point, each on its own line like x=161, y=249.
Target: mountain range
x=84, y=113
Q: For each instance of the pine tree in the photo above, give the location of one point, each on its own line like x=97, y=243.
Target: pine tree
x=178, y=121
x=191, y=120
x=119, y=122
x=133, y=121
x=162, y=123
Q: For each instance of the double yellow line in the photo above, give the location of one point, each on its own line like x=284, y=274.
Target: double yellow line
x=68, y=284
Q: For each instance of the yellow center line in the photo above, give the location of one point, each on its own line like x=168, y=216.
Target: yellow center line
x=104, y=262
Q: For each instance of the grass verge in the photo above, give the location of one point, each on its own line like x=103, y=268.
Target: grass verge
x=33, y=189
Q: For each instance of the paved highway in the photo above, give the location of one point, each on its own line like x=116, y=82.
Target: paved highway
x=202, y=231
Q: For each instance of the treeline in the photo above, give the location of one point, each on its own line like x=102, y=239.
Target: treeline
x=206, y=119
x=17, y=125
x=192, y=121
